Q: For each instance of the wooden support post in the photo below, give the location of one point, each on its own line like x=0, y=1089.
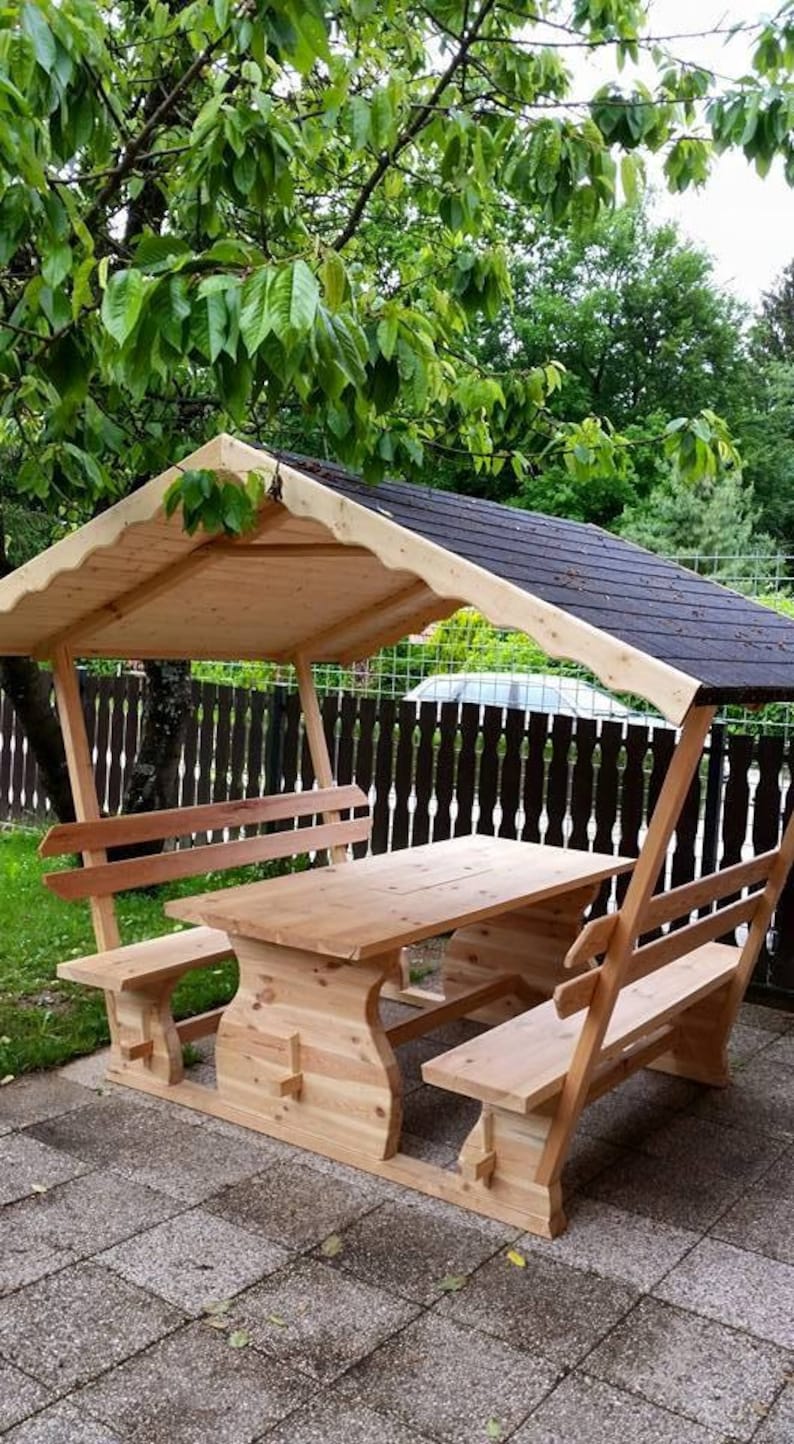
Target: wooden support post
x=315, y=732
x=86, y=803
x=613, y=971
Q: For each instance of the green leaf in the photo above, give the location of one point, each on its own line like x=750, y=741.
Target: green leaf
x=295, y=297
x=38, y=32
x=238, y=1339
x=56, y=265
x=256, y=317
x=334, y=279
x=494, y=1430
x=332, y=1246
x=452, y=1283
x=121, y=304
x=217, y=318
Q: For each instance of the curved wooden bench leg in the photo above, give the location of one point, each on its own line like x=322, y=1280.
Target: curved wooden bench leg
x=147, y=1035
x=502, y=1154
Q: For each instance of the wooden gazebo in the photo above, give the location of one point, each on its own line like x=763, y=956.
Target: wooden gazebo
x=333, y=570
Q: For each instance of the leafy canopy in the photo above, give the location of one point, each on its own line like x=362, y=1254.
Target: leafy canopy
x=239, y=215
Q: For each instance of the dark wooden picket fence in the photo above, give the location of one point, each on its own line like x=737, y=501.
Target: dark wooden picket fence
x=435, y=772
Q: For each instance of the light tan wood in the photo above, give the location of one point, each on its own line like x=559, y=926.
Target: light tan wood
x=383, y=902
x=315, y=733
x=201, y=1025
x=681, y=901
x=327, y=638
x=153, y=961
x=349, y=1080
x=107, y=878
x=186, y=821
x=530, y=941
x=525, y=1062
x=289, y=551
x=612, y=974
x=593, y=940
x=168, y=579
x=577, y=993
x=427, y=1019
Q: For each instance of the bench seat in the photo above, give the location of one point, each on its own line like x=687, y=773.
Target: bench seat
x=523, y=1062
x=154, y=960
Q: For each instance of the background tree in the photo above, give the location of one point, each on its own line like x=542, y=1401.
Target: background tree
x=217, y=215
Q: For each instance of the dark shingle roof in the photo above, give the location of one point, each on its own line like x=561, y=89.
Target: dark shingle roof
x=737, y=649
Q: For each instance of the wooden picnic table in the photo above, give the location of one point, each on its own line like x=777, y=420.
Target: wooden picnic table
x=302, y=1046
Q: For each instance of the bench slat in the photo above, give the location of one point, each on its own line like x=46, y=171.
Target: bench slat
x=151, y=961
x=111, y=877
x=126, y=831
x=521, y=1063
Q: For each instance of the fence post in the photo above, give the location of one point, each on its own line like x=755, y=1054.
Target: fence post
x=274, y=756
x=713, y=802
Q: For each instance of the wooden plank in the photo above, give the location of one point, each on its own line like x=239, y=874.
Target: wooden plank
x=593, y=940
x=583, y=784
x=382, y=902
x=403, y=774
x=445, y=770
x=365, y=755
x=558, y=780
x=107, y=878
x=86, y=806
x=679, y=941
x=535, y=776
x=107, y=832
x=488, y=777
x=255, y=751
x=223, y=743
x=201, y=1025
x=520, y=1064
x=510, y=782
x=423, y=776
x=332, y=640
x=681, y=901
x=465, y=776
x=150, y=962
x=446, y=1012
x=318, y=747
x=384, y=771
x=206, y=744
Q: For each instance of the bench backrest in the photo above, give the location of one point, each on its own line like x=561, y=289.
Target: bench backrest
x=676, y=906
x=105, y=878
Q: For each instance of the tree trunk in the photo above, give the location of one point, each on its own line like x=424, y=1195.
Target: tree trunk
x=28, y=689
x=153, y=782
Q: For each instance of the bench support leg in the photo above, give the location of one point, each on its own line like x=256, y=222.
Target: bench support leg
x=502, y=1154
x=148, y=1038
x=530, y=942
x=700, y=1044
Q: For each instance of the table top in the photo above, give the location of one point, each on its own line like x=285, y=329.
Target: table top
x=359, y=910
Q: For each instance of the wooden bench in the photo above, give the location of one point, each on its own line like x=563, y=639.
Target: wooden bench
x=678, y=991
x=138, y=979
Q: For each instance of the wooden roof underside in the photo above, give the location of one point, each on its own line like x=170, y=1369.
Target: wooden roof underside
x=336, y=569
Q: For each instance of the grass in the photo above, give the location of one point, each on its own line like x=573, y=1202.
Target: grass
x=44, y=1022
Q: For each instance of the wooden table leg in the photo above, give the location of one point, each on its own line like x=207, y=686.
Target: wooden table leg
x=530, y=941
x=302, y=1043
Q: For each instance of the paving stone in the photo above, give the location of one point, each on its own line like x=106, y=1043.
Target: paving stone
x=184, y=1160
x=193, y=1388
x=64, y=1423
x=778, y=1427
x=774, y=1020
x=37, y=1096
x=780, y=1177
x=616, y=1244
x=781, y=1051
x=332, y=1417
x=745, y=1042
x=735, y=1287
x=295, y=1204
x=72, y=1220
x=761, y=1099
x=27, y=1166
x=692, y=1198
x=19, y=1395
x=409, y=1245
x=701, y=1143
x=68, y=1327
x=89, y=1071
x=546, y=1307
x=195, y=1257
x=642, y=1104
x=590, y=1412
x=450, y=1382
x=693, y=1366
x=587, y=1158
x=440, y=1116
x=318, y=1320
x=444, y=1155
x=760, y=1221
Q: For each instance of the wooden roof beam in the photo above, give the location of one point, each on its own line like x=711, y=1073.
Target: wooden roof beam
x=271, y=519
x=303, y=551
x=337, y=635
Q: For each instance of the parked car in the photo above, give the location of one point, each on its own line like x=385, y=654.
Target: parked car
x=531, y=692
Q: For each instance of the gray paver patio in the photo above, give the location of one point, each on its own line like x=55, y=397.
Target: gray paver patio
x=664, y=1316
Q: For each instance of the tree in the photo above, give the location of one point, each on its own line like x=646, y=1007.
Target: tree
x=775, y=331
x=712, y=525
x=217, y=215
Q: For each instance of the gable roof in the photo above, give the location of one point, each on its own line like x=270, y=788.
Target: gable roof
x=337, y=568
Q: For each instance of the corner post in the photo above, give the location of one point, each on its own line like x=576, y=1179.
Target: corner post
x=86, y=804
x=315, y=732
